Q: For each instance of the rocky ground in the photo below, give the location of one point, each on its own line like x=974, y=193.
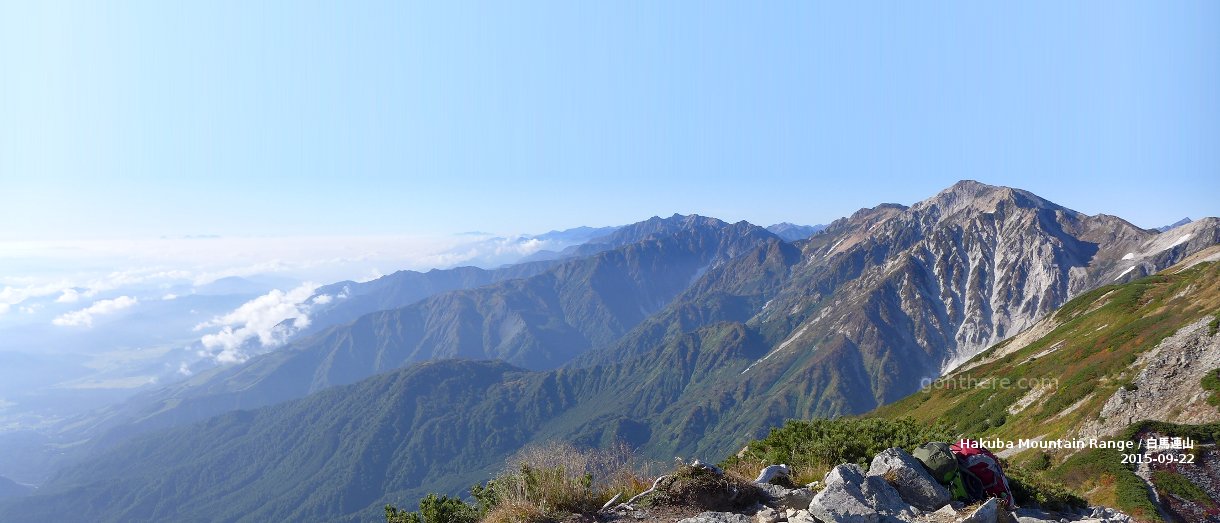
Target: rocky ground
x=894, y=489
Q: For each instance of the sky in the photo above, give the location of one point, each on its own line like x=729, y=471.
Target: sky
x=136, y=120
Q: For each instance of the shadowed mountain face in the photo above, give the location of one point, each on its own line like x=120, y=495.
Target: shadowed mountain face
x=693, y=339
x=351, y=300
x=403, y=288
x=400, y=289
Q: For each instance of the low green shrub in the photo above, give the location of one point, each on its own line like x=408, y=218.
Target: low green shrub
x=825, y=443
x=434, y=509
x=1030, y=487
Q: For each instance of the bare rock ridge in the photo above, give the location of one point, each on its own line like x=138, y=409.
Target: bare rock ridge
x=1178, y=223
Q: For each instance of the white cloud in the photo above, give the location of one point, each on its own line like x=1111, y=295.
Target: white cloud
x=184, y=370
x=149, y=269
x=12, y=295
x=170, y=296
x=84, y=317
x=323, y=299
x=258, y=319
x=493, y=251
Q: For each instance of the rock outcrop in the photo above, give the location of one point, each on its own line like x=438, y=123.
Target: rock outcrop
x=910, y=478
x=895, y=489
x=851, y=496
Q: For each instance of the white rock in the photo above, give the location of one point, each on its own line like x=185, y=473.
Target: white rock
x=987, y=513
x=772, y=472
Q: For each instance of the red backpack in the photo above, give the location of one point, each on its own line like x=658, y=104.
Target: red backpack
x=981, y=473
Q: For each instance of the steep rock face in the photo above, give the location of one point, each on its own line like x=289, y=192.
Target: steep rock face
x=912, y=292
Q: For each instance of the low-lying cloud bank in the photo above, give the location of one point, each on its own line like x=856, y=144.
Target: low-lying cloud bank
x=260, y=320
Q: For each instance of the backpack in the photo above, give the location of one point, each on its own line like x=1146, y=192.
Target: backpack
x=980, y=475
x=939, y=460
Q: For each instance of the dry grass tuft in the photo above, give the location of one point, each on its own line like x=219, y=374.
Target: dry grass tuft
x=801, y=474
x=890, y=476
x=698, y=487
x=515, y=512
x=560, y=478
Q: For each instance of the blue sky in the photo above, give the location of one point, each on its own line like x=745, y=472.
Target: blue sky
x=141, y=119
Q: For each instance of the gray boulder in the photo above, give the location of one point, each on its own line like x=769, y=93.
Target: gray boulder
x=800, y=516
x=797, y=498
x=767, y=515
x=909, y=477
x=774, y=492
x=988, y=512
x=852, y=497
x=786, y=498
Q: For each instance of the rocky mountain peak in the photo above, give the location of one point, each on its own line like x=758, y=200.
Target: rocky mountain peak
x=1173, y=225
x=973, y=198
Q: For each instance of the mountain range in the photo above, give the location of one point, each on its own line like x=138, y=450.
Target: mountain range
x=680, y=336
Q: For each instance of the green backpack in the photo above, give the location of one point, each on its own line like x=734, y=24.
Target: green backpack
x=938, y=458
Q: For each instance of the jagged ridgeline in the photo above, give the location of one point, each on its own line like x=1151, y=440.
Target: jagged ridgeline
x=683, y=336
